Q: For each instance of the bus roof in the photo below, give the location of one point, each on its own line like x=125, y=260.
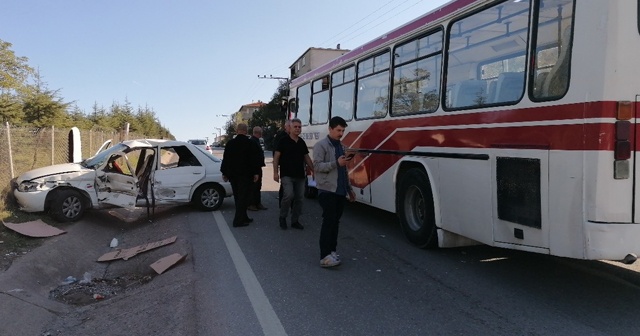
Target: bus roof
x=432, y=16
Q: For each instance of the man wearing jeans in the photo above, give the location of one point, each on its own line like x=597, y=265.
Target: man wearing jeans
x=329, y=164
x=289, y=169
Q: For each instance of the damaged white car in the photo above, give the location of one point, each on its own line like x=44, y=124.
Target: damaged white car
x=130, y=174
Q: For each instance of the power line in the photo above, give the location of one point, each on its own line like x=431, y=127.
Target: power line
x=353, y=25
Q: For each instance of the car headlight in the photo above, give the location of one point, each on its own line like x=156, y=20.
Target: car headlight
x=26, y=186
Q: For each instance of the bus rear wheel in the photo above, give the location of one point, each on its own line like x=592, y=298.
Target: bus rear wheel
x=416, y=210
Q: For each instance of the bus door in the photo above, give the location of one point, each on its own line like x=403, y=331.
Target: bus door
x=521, y=198
x=620, y=164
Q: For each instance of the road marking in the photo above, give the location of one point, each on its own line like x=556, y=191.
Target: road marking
x=267, y=317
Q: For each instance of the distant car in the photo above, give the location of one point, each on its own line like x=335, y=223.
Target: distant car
x=132, y=173
x=202, y=144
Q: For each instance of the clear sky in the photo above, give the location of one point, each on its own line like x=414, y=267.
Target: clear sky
x=191, y=61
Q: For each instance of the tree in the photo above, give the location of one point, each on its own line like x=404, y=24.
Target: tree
x=14, y=70
x=43, y=107
x=271, y=116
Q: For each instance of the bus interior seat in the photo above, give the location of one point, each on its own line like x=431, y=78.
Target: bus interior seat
x=509, y=87
x=537, y=85
x=471, y=92
x=556, y=82
x=491, y=91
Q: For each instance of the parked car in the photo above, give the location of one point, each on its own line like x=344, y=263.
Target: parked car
x=132, y=173
x=202, y=144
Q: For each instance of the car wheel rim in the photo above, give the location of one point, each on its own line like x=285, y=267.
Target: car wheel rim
x=210, y=198
x=415, y=208
x=71, y=207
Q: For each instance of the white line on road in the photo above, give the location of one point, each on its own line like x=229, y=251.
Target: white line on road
x=267, y=317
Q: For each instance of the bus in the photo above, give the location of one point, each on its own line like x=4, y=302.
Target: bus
x=507, y=123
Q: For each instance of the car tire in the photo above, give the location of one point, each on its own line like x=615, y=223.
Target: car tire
x=208, y=197
x=67, y=205
x=416, y=210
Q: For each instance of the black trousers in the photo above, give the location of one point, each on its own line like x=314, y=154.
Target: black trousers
x=255, y=197
x=332, y=208
x=241, y=186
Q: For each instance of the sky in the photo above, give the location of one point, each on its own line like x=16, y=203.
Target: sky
x=194, y=62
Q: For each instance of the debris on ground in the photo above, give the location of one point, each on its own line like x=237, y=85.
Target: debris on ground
x=165, y=263
x=126, y=254
x=81, y=294
x=37, y=229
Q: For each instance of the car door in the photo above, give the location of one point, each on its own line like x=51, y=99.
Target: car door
x=116, y=183
x=177, y=172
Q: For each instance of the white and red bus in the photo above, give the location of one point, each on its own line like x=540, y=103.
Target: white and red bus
x=508, y=123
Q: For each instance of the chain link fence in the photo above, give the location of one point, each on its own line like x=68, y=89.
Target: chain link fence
x=23, y=149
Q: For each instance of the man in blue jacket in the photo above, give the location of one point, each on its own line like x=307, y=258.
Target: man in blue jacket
x=332, y=180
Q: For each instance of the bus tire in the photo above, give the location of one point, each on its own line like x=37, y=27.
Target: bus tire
x=416, y=210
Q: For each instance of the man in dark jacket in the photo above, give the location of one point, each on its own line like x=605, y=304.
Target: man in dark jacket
x=255, y=198
x=241, y=167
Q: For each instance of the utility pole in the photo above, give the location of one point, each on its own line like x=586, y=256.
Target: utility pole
x=285, y=100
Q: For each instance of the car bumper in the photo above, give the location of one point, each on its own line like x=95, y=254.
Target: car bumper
x=32, y=201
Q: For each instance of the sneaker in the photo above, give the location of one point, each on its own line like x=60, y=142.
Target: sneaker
x=329, y=261
x=252, y=208
x=336, y=256
x=297, y=225
x=283, y=223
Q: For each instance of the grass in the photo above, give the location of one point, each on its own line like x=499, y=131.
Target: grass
x=13, y=244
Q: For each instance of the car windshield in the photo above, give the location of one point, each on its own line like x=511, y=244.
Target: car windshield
x=198, y=142
x=209, y=155
x=97, y=160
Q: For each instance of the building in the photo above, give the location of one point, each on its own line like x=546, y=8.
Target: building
x=314, y=58
x=246, y=112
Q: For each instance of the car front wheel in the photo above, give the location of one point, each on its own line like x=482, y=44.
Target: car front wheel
x=67, y=206
x=208, y=197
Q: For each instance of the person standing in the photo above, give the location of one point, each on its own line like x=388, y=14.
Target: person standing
x=329, y=164
x=289, y=169
x=241, y=167
x=255, y=198
x=286, y=128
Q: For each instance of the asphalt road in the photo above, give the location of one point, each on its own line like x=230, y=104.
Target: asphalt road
x=260, y=280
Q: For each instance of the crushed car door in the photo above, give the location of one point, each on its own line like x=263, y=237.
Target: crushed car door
x=178, y=171
x=116, y=184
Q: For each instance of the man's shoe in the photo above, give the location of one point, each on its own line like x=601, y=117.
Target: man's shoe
x=248, y=220
x=283, y=223
x=252, y=208
x=240, y=224
x=262, y=207
x=297, y=225
x=329, y=261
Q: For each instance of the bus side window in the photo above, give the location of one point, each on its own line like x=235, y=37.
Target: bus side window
x=471, y=92
x=557, y=82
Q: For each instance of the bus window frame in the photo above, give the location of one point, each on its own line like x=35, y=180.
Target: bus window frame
x=343, y=83
x=386, y=50
x=418, y=58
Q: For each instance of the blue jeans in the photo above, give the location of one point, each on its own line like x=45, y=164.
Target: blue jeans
x=292, y=190
x=332, y=207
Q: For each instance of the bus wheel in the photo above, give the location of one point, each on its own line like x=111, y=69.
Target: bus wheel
x=415, y=209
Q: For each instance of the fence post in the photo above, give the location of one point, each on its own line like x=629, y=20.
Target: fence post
x=10, y=151
x=53, y=143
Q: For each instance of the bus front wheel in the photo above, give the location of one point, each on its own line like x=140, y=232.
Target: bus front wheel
x=416, y=210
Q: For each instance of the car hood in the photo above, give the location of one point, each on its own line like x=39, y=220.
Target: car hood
x=50, y=170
